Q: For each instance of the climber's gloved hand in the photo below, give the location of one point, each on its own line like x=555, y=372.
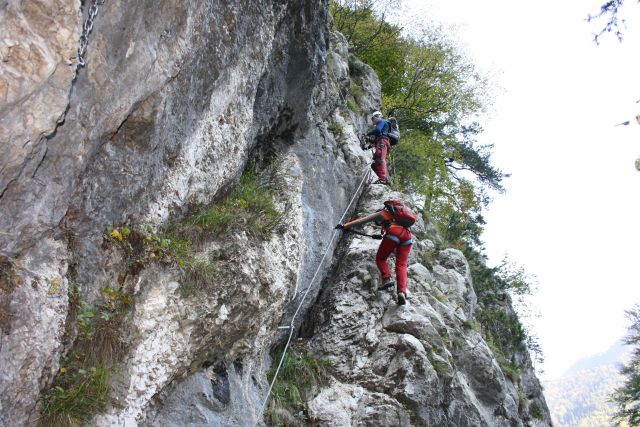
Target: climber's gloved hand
x=339, y=227
x=363, y=142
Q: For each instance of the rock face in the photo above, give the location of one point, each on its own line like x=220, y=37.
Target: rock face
x=38, y=45
x=176, y=99
x=418, y=364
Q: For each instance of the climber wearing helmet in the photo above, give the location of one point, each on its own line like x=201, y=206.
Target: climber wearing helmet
x=381, y=145
x=395, y=219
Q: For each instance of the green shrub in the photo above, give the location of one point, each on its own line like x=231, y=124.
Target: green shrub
x=298, y=375
x=441, y=368
x=84, y=319
x=444, y=335
x=250, y=207
x=9, y=280
x=336, y=129
x=179, y=250
x=80, y=389
x=216, y=219
x=471, y=325
x=199, y=274
x=105, y=344
x=357, y=68
x=509, y=368
x=356, y=92
x=428, y=258
x=504, y=328
x=353, y=106
x=535, y=412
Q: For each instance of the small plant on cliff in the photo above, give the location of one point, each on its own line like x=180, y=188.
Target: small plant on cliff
x=335, y=129
x=75, y=397
x=250, y=207
x=357, y=68
x=356, y=92
x=429, y=257
x=297, y=377
x=441, y=368
x=105, y=345
x=199, y=274
x=80, y=389
x=535, y=412
x=9, y=280
x=496, y=288
x=509, y=367
x=353, y=106
x=471, y=325
x=143, y=245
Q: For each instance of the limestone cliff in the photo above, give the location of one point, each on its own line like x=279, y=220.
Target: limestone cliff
x=424, y=363
x=177, y=100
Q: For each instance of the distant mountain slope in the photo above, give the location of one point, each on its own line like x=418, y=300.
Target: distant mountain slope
x=580, y=397
x=614, y=355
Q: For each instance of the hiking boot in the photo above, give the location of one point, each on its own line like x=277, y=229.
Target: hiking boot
x=387, y=284
x=382, y=181
x=402, y=298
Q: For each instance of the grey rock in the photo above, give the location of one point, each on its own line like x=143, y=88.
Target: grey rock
x=422, y=354
x=345, y=405
x=38, y=45
x=175, y=99
x=212, y=396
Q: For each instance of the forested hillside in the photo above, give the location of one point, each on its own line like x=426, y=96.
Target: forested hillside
x=582, y=396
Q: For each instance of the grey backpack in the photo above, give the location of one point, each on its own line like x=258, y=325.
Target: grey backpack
x=394, y=131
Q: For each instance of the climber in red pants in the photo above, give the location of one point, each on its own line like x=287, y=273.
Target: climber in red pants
x=395, y=220
x=381, y=145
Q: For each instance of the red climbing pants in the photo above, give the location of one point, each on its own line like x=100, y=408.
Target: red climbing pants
x=379, y=164
x=399, y=239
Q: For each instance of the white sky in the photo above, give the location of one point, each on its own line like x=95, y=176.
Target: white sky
x=570, y=215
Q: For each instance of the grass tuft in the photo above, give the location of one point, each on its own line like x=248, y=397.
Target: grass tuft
x=76, y=396
x=298, y=376
x=250, y=207
x=357, y=68
x=9, y=280
x=336, y=130
x=356, y=92
x=535, y=412
x=80, y=388
x=509, y=368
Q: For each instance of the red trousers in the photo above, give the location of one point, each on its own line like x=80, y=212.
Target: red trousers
x=379, y=164
x=399, y=239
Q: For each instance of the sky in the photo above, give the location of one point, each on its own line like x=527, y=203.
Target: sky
x=571, y=214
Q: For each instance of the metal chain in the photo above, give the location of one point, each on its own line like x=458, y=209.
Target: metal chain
x=87, y=27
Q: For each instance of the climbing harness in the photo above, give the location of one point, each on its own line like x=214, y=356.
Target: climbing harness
x=295, y=314
x=87, y=27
